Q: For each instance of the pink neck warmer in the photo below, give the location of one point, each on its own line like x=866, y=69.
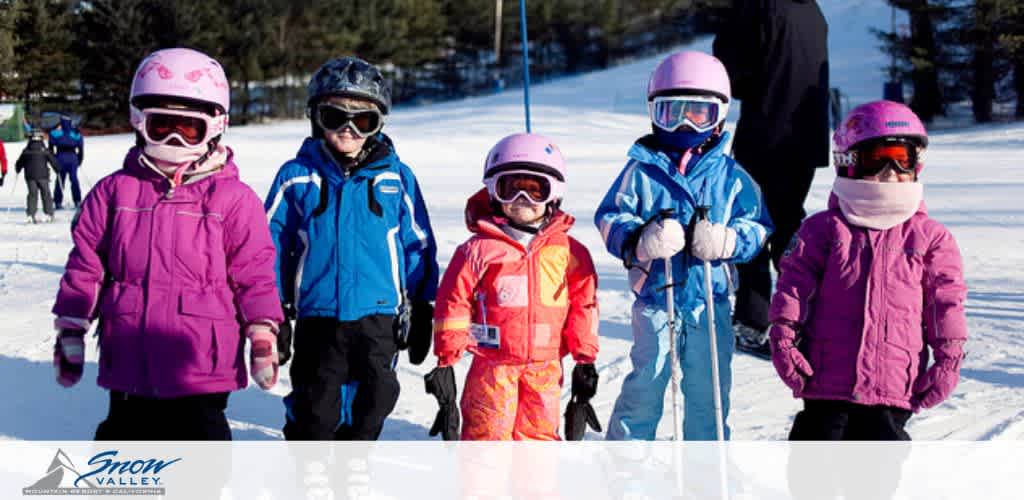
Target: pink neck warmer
x=181, y=173
x=877, y=205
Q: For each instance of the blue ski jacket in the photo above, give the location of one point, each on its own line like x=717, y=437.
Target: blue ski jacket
x=350, y=245
x=67, y=145
x=651, y=182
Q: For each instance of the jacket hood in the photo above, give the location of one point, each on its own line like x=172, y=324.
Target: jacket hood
x=481, y=220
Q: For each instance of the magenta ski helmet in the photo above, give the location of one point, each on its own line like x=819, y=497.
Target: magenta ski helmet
x=690, y=71
x=877, y=120
x=525, y=152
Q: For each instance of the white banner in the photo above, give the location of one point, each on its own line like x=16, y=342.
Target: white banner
x=587, y=470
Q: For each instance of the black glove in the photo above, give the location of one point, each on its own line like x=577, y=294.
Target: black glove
x=421, y=331
x=579, y=414
x=284, y=336
x=441, y=383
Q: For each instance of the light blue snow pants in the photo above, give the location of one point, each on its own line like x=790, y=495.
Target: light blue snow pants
x=641, y=403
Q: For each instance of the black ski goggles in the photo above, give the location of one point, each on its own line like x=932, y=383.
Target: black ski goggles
x=362, y=122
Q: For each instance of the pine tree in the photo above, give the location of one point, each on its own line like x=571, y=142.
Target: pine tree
x=1012, y=39
x=43, y=64
x=8, y=38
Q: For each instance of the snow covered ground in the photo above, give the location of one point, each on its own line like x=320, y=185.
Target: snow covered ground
x=973, y=185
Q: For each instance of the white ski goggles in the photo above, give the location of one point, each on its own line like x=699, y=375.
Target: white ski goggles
x=535, y=187
x=701, y=113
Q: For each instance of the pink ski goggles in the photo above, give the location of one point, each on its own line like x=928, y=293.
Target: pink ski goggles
x=535, y=187
x=191, y=128
x=701, y=113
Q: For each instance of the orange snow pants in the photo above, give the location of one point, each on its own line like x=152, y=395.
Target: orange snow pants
x=503, y=402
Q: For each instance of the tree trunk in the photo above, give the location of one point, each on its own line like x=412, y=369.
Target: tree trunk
x=927, y=101
x=1018, y=85
x=984, y=85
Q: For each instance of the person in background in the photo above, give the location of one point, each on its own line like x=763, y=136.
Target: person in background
x=776, y=53
x=3, y=163
x=37, y=161
x=68, y=147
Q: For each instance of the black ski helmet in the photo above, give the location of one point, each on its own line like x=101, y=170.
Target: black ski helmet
x=352, y=77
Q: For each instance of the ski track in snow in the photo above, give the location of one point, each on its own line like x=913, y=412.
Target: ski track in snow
x=973, y=185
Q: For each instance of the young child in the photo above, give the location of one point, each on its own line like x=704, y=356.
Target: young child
x=519, y=295
x=356, y=259
x=682, y=167
x=867, y=287
x=37, y=161
x=172, y=254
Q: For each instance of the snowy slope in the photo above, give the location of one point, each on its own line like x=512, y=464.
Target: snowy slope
x=973, y=185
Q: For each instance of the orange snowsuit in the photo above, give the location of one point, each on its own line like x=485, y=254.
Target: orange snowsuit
x=519, y=311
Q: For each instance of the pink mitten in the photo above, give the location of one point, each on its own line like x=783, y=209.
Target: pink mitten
x=789, y=362
x=69, y=356
x=263, y=362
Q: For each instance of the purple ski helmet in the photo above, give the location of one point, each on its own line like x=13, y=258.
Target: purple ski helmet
x=877, y=120
x=525, y=152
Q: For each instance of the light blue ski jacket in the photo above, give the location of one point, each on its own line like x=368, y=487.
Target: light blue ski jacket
x=651, y=182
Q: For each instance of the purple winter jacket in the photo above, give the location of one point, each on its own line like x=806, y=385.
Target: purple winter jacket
x=865, y=305
x=172, y=277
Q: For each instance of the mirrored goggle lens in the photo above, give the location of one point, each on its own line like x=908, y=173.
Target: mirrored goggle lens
x=670, y=114
x=364, y=121
x=190, y=128
x=874, y=158
x=537, y=188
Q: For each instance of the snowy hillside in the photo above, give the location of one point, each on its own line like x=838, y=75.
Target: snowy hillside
x=973, y=185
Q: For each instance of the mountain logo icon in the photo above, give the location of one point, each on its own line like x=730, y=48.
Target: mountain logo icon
x=61, y=474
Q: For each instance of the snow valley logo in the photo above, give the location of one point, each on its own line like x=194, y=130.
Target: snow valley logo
x=107, y=476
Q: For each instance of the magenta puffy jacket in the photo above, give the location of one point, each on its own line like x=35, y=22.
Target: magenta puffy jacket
x=173, y=280
x=867, y=308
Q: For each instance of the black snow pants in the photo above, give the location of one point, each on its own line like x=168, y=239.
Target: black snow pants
x=37, y=188
x=343, y=378
x=189, y=418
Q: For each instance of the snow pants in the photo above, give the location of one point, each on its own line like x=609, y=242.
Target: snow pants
x=641, y=403
x=784, y=196
x=69, y=171
x=503, y=402
x=343, y=379
x=189, y=418
x=825, y=420
x=38, y=188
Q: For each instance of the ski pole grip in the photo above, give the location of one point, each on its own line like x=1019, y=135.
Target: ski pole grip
x=702, y=212
x=665, y=213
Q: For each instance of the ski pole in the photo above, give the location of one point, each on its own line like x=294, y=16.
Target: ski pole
x=709, y=305
x=672, y=336
x=526, y=62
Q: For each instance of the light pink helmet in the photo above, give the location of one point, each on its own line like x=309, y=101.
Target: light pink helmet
x=180, y=73
x=690, y=71
x=526, y=152
x=877, y=120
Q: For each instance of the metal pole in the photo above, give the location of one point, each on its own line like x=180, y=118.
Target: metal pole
x=526, y=62
x=709, y=305
x=672, y=357
x=497, y=32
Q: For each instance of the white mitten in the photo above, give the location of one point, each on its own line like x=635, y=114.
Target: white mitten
x=712, y=241
x=660, y=240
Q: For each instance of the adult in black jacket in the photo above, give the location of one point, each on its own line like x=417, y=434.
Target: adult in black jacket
x=34, y=160
x=776, y=52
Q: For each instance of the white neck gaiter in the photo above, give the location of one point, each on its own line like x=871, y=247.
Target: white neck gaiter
x=877, y=205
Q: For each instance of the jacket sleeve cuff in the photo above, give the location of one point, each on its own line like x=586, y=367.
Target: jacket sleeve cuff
x=70, y=323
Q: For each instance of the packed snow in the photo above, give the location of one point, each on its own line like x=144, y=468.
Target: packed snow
x=973, y=181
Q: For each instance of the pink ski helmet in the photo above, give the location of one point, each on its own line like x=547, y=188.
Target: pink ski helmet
x=877, y=120
x=690, y=71
x=180, y=73
x=526, y=152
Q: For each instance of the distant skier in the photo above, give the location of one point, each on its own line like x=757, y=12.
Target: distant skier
x=869, y=290
x=173, y=256
x=67, y=145
x=356, y=259
x=37, y=161
x=681, y=166
x=3, y=163
x=519, y=295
